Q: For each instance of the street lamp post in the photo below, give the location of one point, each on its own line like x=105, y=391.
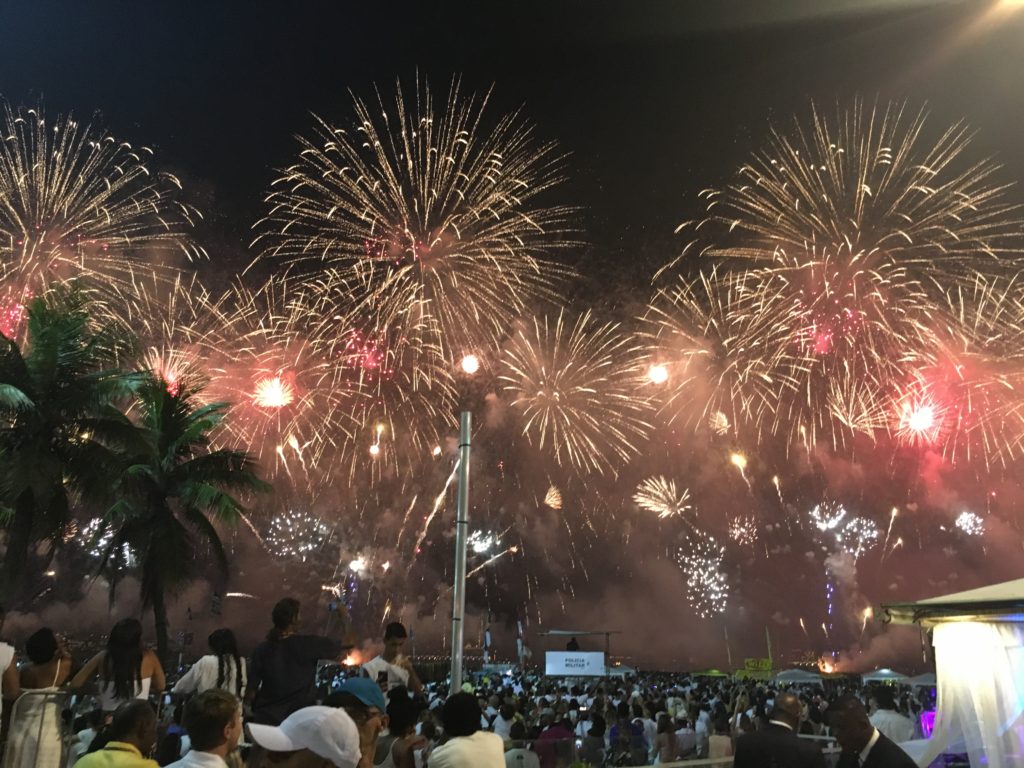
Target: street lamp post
x=461, y=537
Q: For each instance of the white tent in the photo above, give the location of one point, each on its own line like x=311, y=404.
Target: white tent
x=798, y=677
x=883, y=675
x=927, y=680
x=978, y=636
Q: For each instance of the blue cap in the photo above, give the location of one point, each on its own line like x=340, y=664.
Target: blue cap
x=366, y=690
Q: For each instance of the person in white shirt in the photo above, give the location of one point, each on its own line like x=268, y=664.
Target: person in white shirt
x=503, y=722
x=890, y=722
x=223, y=668
x=213, y=720
x=393, y=668
x=467, y=745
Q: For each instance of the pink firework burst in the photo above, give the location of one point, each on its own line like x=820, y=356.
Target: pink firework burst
x=368, y=354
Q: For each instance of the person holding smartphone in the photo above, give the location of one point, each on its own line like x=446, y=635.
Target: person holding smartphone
x=393, y=668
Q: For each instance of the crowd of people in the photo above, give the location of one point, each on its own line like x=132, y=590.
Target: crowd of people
x=274, y=709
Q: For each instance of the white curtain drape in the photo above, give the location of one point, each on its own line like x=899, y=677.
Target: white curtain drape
x=980, y=670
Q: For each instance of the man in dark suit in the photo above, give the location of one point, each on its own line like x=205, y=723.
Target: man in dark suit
x=864, y=746
x=777, y=746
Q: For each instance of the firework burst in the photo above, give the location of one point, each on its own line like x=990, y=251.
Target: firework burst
x=296, y=534
x=400, y=389
x=726, y=362
x=290, y=403
x=423, y=213
x=744, y=530
x=970, y=523
x=707, y=588
x=844, y=238
x=576, y=385
x=661, y=496
x=77, y=203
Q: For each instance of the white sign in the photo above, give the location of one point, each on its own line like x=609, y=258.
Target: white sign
x=574, y=664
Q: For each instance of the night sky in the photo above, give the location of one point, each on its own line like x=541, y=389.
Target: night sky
x=652, y=102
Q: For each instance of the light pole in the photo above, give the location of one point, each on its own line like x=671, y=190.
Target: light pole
x=461, y=537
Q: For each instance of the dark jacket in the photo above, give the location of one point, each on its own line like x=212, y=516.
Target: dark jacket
x=885, y=754
x=776, y=747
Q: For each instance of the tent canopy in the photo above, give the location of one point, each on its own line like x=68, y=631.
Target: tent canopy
x=884, y=675
x=927, y=680
x=1004, y=600
x=798, y=676
x=978, y=637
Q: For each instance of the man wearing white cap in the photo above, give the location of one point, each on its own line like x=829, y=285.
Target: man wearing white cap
x=317, y=737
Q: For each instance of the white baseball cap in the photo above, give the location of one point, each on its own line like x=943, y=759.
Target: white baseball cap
x=325, y=731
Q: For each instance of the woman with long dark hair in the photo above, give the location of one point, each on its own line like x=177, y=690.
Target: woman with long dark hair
x=127, y=669
x=223, y=668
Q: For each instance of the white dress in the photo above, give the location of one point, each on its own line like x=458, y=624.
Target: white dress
x=6, y=657
x=110, y=701
x=36, y=728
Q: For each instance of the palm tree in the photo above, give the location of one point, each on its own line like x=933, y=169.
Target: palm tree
x=60, y=433
x=171, y=495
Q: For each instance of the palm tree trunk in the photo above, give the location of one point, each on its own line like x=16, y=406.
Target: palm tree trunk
x=19, y=540
x=160, y=619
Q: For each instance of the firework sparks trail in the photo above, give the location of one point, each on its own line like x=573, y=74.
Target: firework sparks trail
x=888, y=532
x=575, y=385
x=866, y=615
x=661, y=496
x=553, y=498
x=739, y=461
x=255, y=532
x=434, y=510
x=509, y=551
x=405, y=521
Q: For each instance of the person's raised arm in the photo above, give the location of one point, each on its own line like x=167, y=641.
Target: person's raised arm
x=11, y=683
x=190, y=680
x=85, y=674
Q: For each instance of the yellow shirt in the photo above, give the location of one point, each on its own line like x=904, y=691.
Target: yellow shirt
x=116, y=754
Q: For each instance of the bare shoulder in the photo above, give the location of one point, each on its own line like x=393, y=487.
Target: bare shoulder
x=150, y=662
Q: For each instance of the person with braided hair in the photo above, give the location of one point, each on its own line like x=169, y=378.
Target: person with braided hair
x=223, y=668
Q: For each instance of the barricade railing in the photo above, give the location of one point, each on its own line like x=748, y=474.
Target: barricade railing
x=567, y=753
x=37, y=735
